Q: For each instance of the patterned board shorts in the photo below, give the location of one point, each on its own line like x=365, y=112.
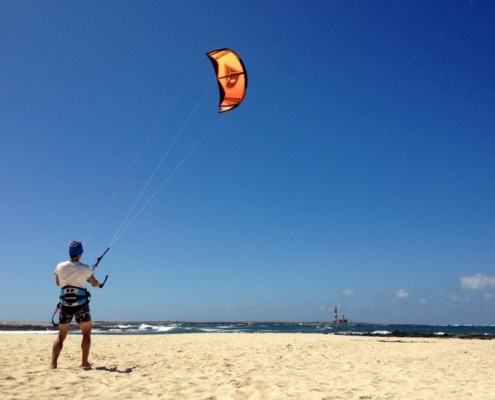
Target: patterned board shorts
x=82, y=316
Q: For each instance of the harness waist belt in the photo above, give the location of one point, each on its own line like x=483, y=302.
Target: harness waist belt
x=72, y=296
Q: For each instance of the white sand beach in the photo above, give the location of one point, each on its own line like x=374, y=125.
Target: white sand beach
x=248, y=366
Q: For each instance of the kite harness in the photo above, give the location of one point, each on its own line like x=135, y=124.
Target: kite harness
x=75, y=297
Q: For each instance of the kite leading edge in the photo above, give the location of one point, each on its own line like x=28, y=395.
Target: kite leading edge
x=231, y=77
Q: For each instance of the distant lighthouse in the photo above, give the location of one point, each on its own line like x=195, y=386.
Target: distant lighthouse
x=336, y=318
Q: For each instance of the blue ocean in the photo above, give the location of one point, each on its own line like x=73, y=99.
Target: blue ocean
x=157, y=328
x=170, y=328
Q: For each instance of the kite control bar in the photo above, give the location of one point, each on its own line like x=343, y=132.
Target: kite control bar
x=99, y=258
x=104, y=280
x=98, y=262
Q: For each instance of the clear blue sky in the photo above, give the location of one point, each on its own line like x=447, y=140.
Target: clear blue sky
x=358, y=172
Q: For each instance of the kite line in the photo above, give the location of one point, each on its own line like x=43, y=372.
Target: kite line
x=138, y=155
x=121, y=229
x=231, y=77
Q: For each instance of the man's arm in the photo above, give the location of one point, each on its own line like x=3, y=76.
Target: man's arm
x=94, y=282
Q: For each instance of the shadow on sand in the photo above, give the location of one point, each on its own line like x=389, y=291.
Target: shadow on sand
x=114, y=369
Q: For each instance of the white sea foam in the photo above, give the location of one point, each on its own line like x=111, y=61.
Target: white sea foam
x=164, y=328
x=143, y=327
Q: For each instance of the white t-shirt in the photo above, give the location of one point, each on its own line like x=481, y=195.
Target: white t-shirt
x=73, y=273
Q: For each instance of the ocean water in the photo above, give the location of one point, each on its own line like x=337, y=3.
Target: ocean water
x=169, y=328
x=314, y=328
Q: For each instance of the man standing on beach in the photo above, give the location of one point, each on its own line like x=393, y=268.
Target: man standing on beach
x=72, y=276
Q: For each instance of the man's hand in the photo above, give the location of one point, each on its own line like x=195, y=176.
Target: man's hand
x=94, y=282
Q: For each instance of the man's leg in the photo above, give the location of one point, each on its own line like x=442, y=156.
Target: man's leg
x=58, y=345
x=86, y=342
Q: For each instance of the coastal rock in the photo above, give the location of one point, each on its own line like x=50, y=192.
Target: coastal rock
x=400, y=334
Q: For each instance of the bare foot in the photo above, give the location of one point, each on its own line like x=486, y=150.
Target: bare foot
x=86, y=365
x=54, y=365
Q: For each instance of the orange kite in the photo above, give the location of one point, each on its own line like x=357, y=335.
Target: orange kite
x=231, y=77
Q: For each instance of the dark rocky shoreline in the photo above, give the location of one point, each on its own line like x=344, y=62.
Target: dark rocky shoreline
x=399, y=334
x=39, y=326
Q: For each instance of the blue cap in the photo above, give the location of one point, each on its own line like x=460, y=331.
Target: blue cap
x=75, y=249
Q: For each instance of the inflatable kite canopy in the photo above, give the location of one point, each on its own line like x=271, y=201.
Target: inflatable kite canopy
x=231, y=77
